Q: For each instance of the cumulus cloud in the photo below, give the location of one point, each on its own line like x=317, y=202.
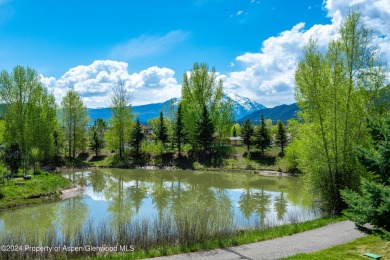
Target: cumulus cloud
x=148, y=45
x=268, y=76
x=94, y=83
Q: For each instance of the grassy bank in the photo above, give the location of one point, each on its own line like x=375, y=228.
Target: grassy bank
x=353, y=250
x=40, y=189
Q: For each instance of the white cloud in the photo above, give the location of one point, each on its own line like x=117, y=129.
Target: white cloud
x=147, y=45
x=268, y=75
x=240, y=13
x=94, y=83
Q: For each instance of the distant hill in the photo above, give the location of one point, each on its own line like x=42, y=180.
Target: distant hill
x=283, y=113
x=242, y=106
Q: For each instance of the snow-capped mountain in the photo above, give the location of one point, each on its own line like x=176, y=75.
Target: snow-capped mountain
x=243, y=106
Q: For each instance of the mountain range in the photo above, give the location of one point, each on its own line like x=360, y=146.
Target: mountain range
x=243, y=108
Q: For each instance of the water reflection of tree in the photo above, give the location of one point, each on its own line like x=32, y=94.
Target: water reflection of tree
x=120, y=203
x=160, y=196
x=246, y=203
x=73, y=214
x=261, y=201
x=36, y=220
x=137, y=193
x=280, y=205
x=97, y=180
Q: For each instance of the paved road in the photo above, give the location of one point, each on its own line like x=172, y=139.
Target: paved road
x=305, y=242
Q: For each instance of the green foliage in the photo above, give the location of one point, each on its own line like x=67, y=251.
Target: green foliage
x=75, y=121
x=97, y=133
x=235, y=130
x=204, y=131
x=377, y=160
x=13, y=158
x=121, y=123
x=281, y=137
x=262, y=138
x=335, y=92
x=136, y=138
x=162, y=130
x=247, y=133
x=180, y=133
x=200, y=88
x=30, y=117
x=371, y=206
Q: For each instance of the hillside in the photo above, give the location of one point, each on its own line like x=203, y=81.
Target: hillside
x=282, y=112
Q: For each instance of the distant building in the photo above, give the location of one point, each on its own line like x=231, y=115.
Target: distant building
x=235, y=140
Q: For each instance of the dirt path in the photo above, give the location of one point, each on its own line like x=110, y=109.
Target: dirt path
x=305, y=242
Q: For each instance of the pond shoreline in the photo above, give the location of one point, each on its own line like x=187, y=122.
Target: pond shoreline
x=71, y=192
x=271, y=173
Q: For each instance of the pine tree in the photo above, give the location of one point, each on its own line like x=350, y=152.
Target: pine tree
x=136, y=138
x=262, y=139
x=281, y=137
x=234, y=131
x=247, y=132
x=179, y=129
x=204, y=130
x=162, y=130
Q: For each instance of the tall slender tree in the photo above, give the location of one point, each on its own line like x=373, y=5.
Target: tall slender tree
x=179, y=129
x=336, y=91
x=120, y=122
x=136, y=138
x=281, y=136
x=75, y=121
x=162, y=130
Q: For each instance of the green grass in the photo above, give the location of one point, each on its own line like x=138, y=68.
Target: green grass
x=41, y=188
x=353, y=250
x=240, y=238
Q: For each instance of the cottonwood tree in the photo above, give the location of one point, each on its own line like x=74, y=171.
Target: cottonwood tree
x=30, y=112
x=75, y=121
x=200, y=88
x=336, y=91
x=121, y=121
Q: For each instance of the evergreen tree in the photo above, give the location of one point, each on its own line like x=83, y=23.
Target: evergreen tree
x=204, y=130
x=162, y=130
x=262, y=137
x=281, y=137
x=97, y=135
x=136, y=138
x=179, y=129
x=234, y=131
x=247, y=133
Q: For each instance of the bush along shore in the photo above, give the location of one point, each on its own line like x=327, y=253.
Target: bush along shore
x=191, y=231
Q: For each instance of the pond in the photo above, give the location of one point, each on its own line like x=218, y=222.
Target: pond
x=115, y=196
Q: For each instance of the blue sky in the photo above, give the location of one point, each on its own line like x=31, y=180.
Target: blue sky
x=88, y=45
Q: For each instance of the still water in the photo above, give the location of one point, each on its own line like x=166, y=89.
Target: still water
x=116, y=196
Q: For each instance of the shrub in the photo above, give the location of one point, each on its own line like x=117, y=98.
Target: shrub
x=2, y=195
x=371, y=206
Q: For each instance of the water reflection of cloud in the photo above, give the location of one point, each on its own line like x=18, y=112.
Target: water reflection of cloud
x=94, y=195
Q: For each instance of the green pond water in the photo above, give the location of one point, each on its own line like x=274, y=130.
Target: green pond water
x=114, y=196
